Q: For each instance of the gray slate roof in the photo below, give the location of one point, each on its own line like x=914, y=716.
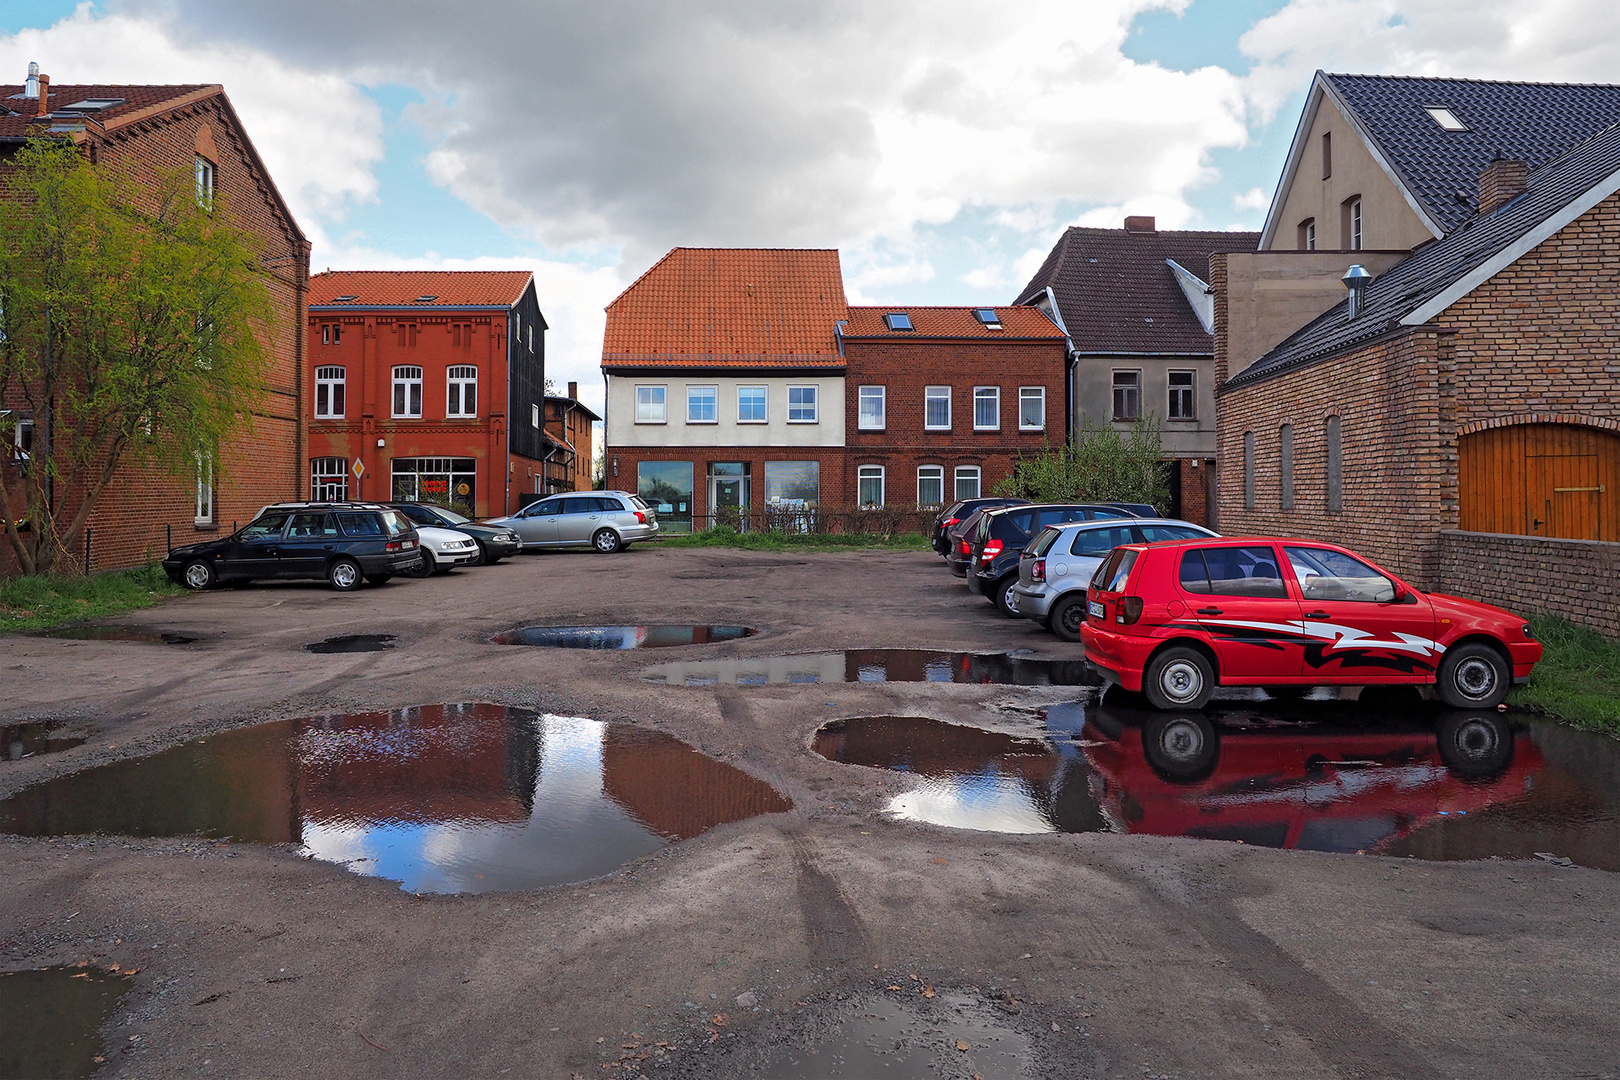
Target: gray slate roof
x=1116, y=294
x=1532, y=122
x=1438, y=265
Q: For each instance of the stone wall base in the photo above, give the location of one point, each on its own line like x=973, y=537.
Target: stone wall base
x=1529, y=574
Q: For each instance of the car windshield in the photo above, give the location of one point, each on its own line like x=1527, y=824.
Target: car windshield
x=450, y=516
x=396, y=522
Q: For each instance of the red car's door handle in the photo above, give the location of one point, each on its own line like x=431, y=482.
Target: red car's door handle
x=1209, y=611
x=1316, y=614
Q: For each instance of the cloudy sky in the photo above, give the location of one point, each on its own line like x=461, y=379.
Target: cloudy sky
x=940, y=144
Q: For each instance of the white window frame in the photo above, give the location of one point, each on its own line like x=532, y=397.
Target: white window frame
x=1025, y=393
x=534, y=416
x=967, y=472
x=203, y=505
x=204, y=176
x=325, y=382
x=1355, y=225
x=1171, y=390
x=334, y=474
x=933, y=393
x=937, y=475
x=404, y=378
x=714, y=403
x=815, y=404
x=988, y=393
x=1310, y=235
x=1114, y=388
x=870, y=472
x=764, y=401
x=880, y=394
x=648, y=410
x=331, y=333
x=457, y=378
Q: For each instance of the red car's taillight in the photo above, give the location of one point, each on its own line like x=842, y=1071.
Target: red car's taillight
x=1037, y=570
x=1130, y=609
x=992, y=548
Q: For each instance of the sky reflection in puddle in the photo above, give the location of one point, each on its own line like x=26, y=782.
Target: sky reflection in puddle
x=874, y=666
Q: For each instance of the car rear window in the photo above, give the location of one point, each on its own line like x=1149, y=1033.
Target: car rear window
x=1151, y=533
x=1104, y=513
x=1058, y=515
x=1115, y=571
x=1018, y=522
x=635, y=501
x=1232, y=571
x=1042, y=542
x=1097, y=542
x=395, y=523
x=610, y=505
x=360, y=524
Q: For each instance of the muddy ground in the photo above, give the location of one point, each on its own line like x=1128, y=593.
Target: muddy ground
x=1097, y=955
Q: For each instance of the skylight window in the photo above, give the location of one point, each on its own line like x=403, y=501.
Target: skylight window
x=988, y=317
x=93, y=104
x=898, y=320
x=345, y=298
x=1445, y=118
x=427, y=298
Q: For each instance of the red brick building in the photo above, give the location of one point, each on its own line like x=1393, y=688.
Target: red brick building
x=941, y=401
x=145, y=133
x=1456, y=418
x=570, y=443
x=426, y=385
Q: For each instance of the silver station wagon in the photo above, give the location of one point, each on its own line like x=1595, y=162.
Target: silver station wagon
x=605, y=520
x=1056, y=566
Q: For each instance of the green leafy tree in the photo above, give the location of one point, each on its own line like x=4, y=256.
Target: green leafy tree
x=1099, y=466
x=128, y=319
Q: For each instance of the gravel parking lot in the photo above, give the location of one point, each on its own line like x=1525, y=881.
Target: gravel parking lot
x=737, y=952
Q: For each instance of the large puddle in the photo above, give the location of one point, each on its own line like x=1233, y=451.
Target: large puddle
x=50, y=1019
x=31, y=737
x=352, y=643
x=440, y=798
x=876, y=665
x=621, y=637
x=1324, y=776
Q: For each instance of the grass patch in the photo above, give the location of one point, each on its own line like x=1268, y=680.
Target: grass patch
x=776, y=541
x=1578, y=678
x=41, y=601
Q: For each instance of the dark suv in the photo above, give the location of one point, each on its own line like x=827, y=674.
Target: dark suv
x=957, y=513
x=1002, y=535
x=495, y=542
x=344, y=543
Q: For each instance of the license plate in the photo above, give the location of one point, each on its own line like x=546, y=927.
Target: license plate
x=1096, y=608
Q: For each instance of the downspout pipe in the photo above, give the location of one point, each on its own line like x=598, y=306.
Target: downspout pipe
x=1071, y=357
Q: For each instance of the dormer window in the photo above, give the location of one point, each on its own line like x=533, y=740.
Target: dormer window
x=898, y=320
x=987, y=318
x=1445, y=118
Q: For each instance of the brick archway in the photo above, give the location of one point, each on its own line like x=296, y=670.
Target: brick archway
x=1518, y=419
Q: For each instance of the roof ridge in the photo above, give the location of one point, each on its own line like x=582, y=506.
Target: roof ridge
x=1462, y=79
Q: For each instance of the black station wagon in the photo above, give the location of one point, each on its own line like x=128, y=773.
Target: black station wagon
x=344, y=543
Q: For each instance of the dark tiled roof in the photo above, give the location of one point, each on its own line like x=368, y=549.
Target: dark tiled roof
x=18, y=121
x=1440, y=264
x=573, y=403
x=401, y=288
x=951, y=322
x=1532, y=122
x=1116, y=294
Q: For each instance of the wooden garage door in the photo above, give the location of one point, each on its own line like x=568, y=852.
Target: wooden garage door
x=1540, y=480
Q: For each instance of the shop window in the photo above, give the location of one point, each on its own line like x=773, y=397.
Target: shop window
x=446, y=481
x=793, y=484
x=666, y=486
x=329, y=479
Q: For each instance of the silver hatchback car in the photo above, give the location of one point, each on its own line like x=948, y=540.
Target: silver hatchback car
x=1056, y=566
x=605, y=520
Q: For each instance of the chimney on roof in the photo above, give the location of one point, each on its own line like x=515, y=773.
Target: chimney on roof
x=573, y=391
x=31, y=86
x=1502, y=181
x=1136, y=223
x=44, y=95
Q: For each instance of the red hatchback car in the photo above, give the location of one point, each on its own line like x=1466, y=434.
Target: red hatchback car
x=1175, y=620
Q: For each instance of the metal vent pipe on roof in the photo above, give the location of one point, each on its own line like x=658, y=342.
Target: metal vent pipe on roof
x=1356, y=279
x=31, y=86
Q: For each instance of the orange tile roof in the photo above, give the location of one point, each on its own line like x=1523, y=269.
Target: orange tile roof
x=951, y=322
x=17, y=113
x=400, y=288
x=730, y=307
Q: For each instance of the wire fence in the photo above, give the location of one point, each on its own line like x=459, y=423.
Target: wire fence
x=818, y=520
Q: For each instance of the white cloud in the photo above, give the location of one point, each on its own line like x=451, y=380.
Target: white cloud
x=985, y=278
x=1253, y=199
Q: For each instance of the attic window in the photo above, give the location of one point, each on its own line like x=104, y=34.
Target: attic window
x=898, y=320
x=988, y=317
x=1445, y=118
x=427, y=298
x=95, y=104
x=345, y=298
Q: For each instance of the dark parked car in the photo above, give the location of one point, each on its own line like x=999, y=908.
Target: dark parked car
x=957, y=513
x=959, y=546
x=344, y=543
x=1001, y=535
x=495, y=542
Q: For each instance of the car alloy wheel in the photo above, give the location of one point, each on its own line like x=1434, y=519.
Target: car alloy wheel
x=198, y=575
x=1476, y=677
x=344, y=575
x=606, y=541
x=1006, y=599
x=1181, y=681
x=1181, y=748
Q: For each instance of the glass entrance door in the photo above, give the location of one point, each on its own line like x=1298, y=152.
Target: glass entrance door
x=728, y=493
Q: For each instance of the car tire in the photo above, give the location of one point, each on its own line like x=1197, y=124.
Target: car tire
x=483, y=556
x=379, y=579
x=198, y=575
x=489, y=561
x=1003, y=597
x=606, y=541
x=344, y=575
x=1181, y=748
x=1179, y=678
x=1473, y=676
x=1068, y=616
